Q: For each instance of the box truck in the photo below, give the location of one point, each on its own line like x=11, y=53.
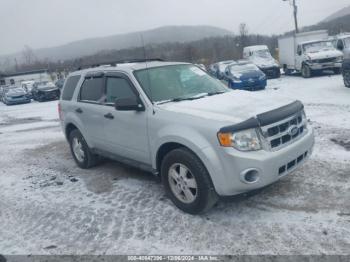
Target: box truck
x=308, y=53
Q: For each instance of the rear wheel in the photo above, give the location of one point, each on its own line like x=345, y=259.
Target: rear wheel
x=81, y=151
x=306, y=71
x=187, y=182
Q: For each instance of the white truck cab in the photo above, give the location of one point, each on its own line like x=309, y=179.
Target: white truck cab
x=260, y=56
x=342, y=43
x=309, y=52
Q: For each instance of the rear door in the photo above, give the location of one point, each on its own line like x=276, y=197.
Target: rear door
x=125, y=132
x=88, y=108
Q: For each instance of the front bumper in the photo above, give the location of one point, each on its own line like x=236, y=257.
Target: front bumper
x=17, y=101
x=231, y=163
x=249, y=85
x=324, y=66
x=271, y=72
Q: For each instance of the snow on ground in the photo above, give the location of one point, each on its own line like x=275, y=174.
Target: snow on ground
x=49, y=206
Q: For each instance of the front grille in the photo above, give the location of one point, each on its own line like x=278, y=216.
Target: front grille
x=325, y=60
x=285, y=132
x=292, y=164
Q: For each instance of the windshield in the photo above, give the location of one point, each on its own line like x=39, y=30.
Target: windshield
x=347, y=42
x=318, y=46
x=243, y=68
x=263, y=53
x=44, y=85
x=223, y=65
x=177, y=81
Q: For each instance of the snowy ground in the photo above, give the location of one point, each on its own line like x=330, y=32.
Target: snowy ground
x=49, y=206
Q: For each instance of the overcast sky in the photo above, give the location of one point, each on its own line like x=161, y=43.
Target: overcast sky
x=46, y=23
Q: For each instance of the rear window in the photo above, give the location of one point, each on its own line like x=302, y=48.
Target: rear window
x=69, y=87
x=92, y=89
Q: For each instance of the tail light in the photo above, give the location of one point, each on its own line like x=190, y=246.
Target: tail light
x=60, y=113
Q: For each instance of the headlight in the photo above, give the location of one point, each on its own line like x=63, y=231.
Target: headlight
x=263, y=77
x=246, y=140
x=340, y=59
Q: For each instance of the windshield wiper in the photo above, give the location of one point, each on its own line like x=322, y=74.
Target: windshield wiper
x=198, y=96
x=216, y=93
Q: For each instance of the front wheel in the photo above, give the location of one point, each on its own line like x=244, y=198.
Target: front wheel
x=306, y=71
x=187, y=182
x=337, y=71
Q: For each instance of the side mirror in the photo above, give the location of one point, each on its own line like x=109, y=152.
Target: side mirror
x=129, y=104
x=299, y=52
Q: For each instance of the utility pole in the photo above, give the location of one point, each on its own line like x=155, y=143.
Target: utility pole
x=295, y=13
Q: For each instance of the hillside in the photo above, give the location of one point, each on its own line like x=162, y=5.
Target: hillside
x=342, y=12
x=121, y=41
x=335, y=26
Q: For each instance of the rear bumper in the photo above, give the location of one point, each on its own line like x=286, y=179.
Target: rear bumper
x=231, y=164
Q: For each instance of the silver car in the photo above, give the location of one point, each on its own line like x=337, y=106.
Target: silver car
x=173, y=119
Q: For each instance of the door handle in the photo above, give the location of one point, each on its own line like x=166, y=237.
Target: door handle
x=79, y=110
x=109, y=116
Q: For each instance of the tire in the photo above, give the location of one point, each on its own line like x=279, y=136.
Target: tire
x=306, y=72
x=87, y=159
x=346, y=76
x=277, y=73
x=337, y=71
x=202, y=189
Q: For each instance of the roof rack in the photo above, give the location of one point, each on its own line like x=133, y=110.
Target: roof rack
x=115, y=63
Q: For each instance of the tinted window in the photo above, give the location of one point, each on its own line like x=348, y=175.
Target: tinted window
x=69, y=88
x=92, y=89
x=117, y=88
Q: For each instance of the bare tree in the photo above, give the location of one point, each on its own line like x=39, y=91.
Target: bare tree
x=28, y=55
x=243, y=35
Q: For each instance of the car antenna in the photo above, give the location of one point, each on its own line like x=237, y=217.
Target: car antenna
x=148, y=76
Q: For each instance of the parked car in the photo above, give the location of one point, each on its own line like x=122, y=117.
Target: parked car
x=342, y=43
x=173, y=119
x=246, y=76
x=201, y=66
x=221, y=68
x=45, y=91
x=59, y=83
x=346, y=72
x=308, y=53
x=15, y=96
x=28, y=86
x=260, y=55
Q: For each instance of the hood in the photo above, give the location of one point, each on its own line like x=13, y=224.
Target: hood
x=47, y=88
x=231, y=107
x=322, y=54
x=263, y=61
x=14, y=93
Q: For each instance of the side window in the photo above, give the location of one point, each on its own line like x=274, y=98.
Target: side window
x=299, y=51
x=118, y=88
x=69, y=87
x=340, y=45
x=92, y=89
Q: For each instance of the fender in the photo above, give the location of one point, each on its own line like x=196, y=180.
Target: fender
x=71, y=118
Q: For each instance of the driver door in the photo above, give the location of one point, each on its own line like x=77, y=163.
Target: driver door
x=126, y=133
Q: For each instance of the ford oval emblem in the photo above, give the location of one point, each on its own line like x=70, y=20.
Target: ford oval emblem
x=293, y=130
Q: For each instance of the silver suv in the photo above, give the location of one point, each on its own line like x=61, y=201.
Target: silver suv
x=176, y=121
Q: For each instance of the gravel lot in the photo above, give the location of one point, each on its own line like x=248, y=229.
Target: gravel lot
x=49, y=206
